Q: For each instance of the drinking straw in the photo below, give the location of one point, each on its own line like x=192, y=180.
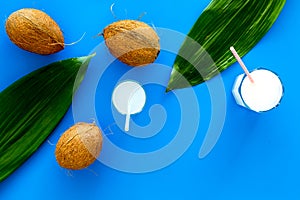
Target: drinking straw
x=238, y=58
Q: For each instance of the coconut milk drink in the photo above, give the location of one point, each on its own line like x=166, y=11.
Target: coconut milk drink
x=262, y=95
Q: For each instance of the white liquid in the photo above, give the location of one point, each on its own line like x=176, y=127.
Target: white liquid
x=129, y=98
x=265, y=93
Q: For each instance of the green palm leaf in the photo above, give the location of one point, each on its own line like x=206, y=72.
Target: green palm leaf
x=32, y=107
x=224, y=23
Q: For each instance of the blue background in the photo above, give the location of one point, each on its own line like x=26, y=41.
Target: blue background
x=257, y=156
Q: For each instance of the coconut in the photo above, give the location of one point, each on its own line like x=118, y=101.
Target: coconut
x=79, y=146
x=35, y=31
x=132, y=42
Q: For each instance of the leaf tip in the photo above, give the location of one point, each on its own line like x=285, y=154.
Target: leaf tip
x=93, y=54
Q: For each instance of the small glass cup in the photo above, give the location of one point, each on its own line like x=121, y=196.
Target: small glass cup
x=263, y=95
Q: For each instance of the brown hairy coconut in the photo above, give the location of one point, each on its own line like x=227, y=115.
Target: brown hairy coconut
x=132, y=42
x=34, y=31
x=79, y=146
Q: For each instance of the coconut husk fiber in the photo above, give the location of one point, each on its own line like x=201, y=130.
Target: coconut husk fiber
x=35, y=31
x=79, y=146
x=133, y=42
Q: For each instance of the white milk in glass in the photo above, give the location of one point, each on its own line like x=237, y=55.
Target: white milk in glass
x=262, y=95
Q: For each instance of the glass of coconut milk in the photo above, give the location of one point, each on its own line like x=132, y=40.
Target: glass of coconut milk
x=262, y=94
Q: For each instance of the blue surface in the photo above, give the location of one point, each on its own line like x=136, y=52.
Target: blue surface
x=256, y=157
